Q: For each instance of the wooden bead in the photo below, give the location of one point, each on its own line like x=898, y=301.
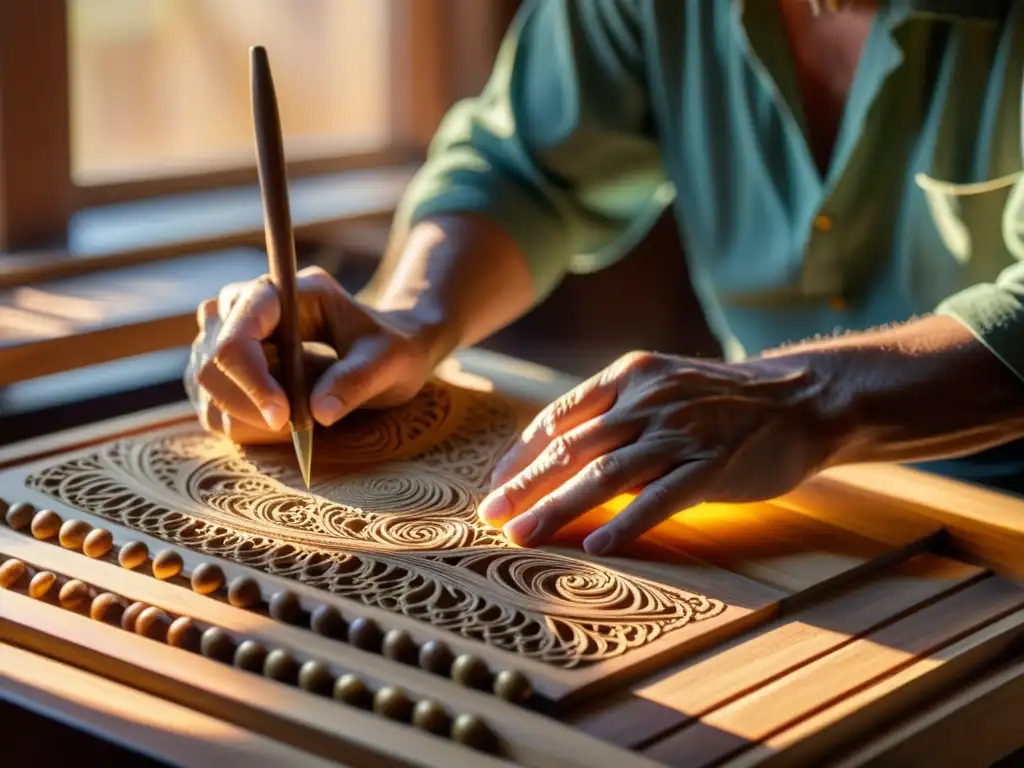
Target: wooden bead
x=183, y=634
x=41, y=583
x=285, y=606
x=207, y=578
x=19, y=516
x=218, y=645
x=250, y=656
x=153, y=623
x=132, y=555
x=108, y=608
x=512, y=685
x=75, y=595
x=399, y=646
x=393, y=703
x=281, y=666
x=436, y=657
x=131, y=615
x=167, y=564
x=470, y=671
x=430, y=716
x=45, y=524
x=10, y=572
x=98, y=543
x=473, y=732
x=244, y=592
x=315, y=677
x=326, y=620
x=72, y=534
x=351, y=690
x=365, y=633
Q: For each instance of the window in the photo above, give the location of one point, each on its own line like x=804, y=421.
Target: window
x=159, y=86
x=126, y=141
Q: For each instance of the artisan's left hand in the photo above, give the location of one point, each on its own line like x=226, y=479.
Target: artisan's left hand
x=684, y=431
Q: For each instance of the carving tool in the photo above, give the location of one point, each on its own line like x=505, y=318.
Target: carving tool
x=277, y=224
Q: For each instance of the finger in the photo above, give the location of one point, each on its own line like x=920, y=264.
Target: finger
x=245, y=434
x=229, y=295
x=230, y=399
x=581, y=404
x=558, y=462
x=681, y=489
x=602, y=479
x=239, y=351
x=352, y=381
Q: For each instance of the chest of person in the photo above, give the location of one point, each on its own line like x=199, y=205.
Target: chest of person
x=919, y=180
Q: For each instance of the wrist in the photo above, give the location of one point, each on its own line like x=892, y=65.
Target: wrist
x=817, y=391
x=433, y=336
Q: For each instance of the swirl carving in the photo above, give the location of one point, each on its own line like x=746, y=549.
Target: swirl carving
x=390, y=522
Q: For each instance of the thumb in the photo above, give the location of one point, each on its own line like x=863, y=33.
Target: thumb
x=363, y=374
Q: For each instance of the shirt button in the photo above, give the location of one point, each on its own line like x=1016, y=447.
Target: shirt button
x=822, y=222
x=837, y=304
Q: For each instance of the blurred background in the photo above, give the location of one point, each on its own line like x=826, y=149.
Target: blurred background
x=128, y=190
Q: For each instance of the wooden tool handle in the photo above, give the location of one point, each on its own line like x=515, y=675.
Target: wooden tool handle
x=280, y=239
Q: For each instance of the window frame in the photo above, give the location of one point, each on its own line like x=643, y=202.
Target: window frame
x=441, y=51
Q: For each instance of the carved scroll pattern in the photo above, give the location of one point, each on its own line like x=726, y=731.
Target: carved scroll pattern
x=389, y=529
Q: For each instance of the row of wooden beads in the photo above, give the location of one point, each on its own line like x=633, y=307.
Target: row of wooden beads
x=217, y=644
x=244, y=592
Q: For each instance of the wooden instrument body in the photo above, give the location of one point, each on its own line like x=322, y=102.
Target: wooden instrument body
x=873, y=616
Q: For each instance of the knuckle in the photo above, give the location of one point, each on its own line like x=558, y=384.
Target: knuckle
x=605, y=470
x=516, y=490
x=559, y=453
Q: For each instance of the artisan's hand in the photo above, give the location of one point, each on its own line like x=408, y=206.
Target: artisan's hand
x=230, y=375
x=683, y=430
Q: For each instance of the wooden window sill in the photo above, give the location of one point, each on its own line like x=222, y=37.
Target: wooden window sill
x=127, y=234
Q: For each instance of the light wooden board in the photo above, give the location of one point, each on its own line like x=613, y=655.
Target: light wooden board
x=738, y=726
x=686, y=691
x=139, y=721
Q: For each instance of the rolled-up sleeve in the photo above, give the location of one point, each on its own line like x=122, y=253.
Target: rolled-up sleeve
x=559, y=150
x=995, y=311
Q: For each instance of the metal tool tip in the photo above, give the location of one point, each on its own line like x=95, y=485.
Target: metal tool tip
x=303, y=441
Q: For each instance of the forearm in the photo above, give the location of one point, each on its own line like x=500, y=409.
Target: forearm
x=924, y=390
x=452, y=281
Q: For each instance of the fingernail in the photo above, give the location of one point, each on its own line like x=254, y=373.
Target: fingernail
x=327, y=410
x=598, y=542
x=519, y=529
x=274, y=415
x=495, y=509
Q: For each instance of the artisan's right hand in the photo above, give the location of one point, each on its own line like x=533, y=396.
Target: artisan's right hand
x=381, y=359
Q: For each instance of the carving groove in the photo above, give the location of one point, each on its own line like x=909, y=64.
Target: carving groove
x=391, y=522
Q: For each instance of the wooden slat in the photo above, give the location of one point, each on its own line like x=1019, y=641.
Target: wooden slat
x=726, y=672
x=526, y=732
x=740, y=725
x=982, y=523
x=144, y=723
x=972, y=728
x=835, y=731
x=286, y=714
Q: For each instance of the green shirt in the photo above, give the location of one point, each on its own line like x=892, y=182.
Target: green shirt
x=600, y=113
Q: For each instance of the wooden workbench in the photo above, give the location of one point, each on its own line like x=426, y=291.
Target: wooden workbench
x=873, y=616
